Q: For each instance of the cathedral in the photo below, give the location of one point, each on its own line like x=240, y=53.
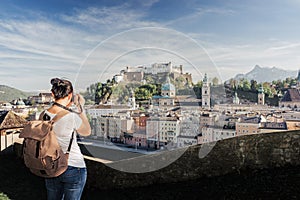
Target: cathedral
x=167, y=97
x=291, y=98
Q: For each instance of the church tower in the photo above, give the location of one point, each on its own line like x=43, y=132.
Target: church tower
x=131, y=100
x=261, y=96
x=205, y=93
x=236, y=99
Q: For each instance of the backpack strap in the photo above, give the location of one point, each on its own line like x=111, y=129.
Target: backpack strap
x=42, y=115
x=59, y=115
x=70, y=143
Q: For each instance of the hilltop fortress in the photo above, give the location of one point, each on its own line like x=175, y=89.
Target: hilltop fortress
x=140, y=73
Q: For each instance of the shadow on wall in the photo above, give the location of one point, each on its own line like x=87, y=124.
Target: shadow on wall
x=253, y=166
x=253, y=152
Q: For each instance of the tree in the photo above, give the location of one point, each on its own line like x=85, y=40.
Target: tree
x=233, y=83
x=199, y=84
x=197, y=89
x=254, y=85
x=142, y=93
x=180, y=82
x=145, y=91
x=293, y=82
x=215, y=81
x=149, y=79
x=246, y=85
x=98, y=93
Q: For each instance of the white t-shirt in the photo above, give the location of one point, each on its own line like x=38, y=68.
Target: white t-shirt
x=63, y=129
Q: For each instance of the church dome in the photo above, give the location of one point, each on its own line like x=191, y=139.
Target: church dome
x=168, y=87
x=20, y=102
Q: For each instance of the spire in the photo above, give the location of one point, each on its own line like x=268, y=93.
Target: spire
x=261, y=89
x=205, y=78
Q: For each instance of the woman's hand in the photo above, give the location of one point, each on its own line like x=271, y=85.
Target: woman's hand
x=85, y=128
x=79, y=100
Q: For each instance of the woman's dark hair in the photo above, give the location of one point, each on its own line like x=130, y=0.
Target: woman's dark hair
x=61, y=88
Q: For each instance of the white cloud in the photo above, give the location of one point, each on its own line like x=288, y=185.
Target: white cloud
x=234, y=59
x=148, y=3
x=215, y=11
x=199, y=13
x=108, y=18
x=33, y=51
x=38, y=49
x=146, y=46
x=40, y=38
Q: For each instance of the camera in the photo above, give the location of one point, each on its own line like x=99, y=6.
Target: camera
x=75, y=99
x=72, y=99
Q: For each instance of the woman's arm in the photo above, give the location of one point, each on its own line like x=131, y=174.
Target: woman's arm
x=85, y=128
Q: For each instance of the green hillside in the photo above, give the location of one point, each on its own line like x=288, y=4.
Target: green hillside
x=8, y=93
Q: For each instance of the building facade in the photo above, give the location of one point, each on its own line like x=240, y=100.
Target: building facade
x=161, y=131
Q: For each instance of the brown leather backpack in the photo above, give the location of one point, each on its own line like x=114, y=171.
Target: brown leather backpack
x=41, y=150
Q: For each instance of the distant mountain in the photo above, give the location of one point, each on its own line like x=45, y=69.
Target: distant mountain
x=8, y=94
x=266, y=74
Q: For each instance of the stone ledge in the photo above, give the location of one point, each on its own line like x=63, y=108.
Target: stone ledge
x=250, y=152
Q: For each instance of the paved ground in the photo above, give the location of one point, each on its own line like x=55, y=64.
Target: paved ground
x=19, y=184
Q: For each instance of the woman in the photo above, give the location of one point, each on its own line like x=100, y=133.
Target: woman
x=70, y=184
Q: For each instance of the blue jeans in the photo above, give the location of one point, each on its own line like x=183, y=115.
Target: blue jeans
x=68, y=186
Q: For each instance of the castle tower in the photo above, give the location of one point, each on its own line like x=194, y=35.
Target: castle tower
x=169, y=67
x=261, y=96
x=205, y=93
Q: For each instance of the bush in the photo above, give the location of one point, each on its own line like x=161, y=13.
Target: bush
x=3, y=196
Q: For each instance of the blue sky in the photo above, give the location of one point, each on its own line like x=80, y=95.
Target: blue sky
x=89, y=41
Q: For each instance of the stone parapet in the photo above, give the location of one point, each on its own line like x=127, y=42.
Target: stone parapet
x=249, y=152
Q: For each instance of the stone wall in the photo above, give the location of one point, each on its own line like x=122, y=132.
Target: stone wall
x=250, y=152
